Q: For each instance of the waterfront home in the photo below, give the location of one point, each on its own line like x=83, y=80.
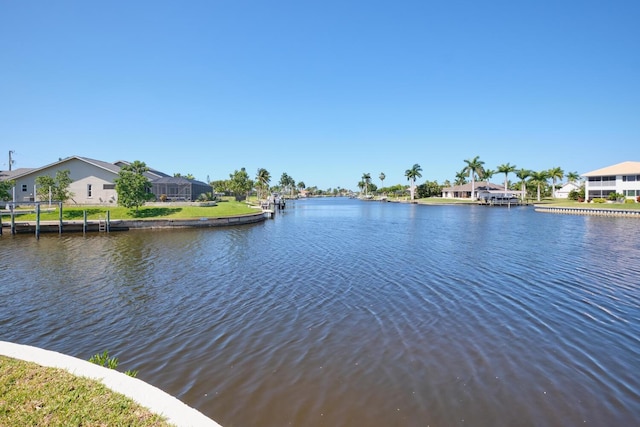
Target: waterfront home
x=94, y=181
x=622, y=178
x=464, y=191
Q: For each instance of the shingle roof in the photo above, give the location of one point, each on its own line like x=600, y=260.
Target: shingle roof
x=624, y=168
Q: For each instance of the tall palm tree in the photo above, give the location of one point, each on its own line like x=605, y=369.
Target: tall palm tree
x=473, y=168
x=539, y=179
x=555, y=173
x=523, y=174
x=382, y=176
x=411, y=175
x=366, y=178
x=263, y=177
x=506, y=169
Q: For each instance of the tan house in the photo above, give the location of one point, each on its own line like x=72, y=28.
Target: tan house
x=622, y=178
x=93, y=180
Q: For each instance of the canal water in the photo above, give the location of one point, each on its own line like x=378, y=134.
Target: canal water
x=347, y=313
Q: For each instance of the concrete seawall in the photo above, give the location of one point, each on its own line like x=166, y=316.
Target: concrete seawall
x=128, y=224
x=589, y=211
x=145, y=394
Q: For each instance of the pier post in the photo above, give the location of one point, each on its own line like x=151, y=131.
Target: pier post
x=84, y=221
x=108, y=220
x=13, y=218
x=60, y=218
x=37, y=220
x=0, y=224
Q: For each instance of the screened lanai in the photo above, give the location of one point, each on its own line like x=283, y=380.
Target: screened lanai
x=178, y=189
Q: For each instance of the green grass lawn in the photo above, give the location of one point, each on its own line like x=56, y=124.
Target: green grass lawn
x=33, y=395
x=70, y=213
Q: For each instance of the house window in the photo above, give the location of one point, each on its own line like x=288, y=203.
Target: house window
x=108, y=186
x=24, y=188
x=89, y=190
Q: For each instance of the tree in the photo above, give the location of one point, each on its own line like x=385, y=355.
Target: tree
x=382, y=176
x=506, y=169
x=240, y=184
x=487, y=174
x=523, y=174
x=473, y=168
x=58, y=186
x=461, y=178
x=301, y=185
x=573, y=176
x=412, y=174
x=539, y=179
x=366, y=178
x=263, y=178
x=220, y=186
x=5, y=189
x=287, y=183
x=555, y=173
x=132, y=186
x=429, y=189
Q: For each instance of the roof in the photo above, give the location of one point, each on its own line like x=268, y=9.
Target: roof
x=177, y=180
x=479, y=186
x=151, y=173
x=624, y=168
x=111, y=167
x=6, y=175
x=18, y=173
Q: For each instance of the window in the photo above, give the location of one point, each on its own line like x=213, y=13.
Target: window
x=89, y=190
x=24, y=188
x=108, y=186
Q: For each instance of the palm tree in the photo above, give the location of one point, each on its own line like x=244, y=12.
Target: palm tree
x=263, y=177
x=487, y=174
x=539, y=179
x=523, y=174
x=366, y=178
x=573, y=176
x=506, y=169
x=461, y=178
x=382, y=176
x=411, y=175
x=555, y=173
x=473, y=168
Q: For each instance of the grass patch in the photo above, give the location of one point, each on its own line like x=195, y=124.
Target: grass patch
x=76, y=213
x=32, y=395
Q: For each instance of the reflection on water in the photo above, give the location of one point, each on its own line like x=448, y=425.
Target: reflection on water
x=341, y=312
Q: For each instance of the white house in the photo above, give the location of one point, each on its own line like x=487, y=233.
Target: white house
x=563, y=192
x=622, y=178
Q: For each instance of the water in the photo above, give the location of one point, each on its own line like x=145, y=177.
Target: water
x=349, y=313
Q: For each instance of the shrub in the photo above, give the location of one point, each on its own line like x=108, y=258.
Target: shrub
x=598, y=200
x=630, y=201
x=638, y=199
x=163, y=197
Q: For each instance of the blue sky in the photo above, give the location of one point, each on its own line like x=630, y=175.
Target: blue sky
x=322, y=90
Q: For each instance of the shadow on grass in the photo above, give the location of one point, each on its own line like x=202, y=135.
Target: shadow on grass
x=78, y=214
x=154, y=212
